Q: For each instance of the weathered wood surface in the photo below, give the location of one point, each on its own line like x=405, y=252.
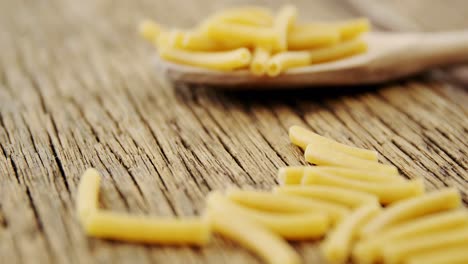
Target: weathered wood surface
x=78, y=89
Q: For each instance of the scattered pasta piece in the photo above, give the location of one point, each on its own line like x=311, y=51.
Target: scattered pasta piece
x=295, y=174
x=289, y=226
x=369, y=250
x=346, y=197
x=445, y=199
x=302, y=137
x=397, y=252
x=320, y=154
x=337, y=244
x=272, y=248
x=283, y=61
x=146, y=229
x=306, y=38
x=222, y=60
x=88, y=194
x=387, y=193
x=286, y=203
x=452, y=255
x=283, y=23
x=338, y=51
x=259, y=62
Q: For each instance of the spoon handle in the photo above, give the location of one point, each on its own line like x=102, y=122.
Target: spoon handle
x=445, y=47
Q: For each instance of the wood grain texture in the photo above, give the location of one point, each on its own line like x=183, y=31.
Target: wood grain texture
x=78, y=89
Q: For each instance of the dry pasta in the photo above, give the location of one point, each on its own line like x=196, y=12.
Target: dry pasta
x=88, y=194
x=397, y=252
x=259, y=62
x=305, y=38
x=146, y=229
x=222, y=60
x=295, y=174
x=302, y=137
x=289, y=226
x=338, y=51
x=352, y=28
x=283, y=61
x=437, y=201
x=321, y=154
x=283, y=23
x=149, y=30
x=248, y=35
x=369, y=250
x=337, y=244
x=286, y=203
x=197, y=41
x=346, y=197
x=247, y=15
x=452, y=255
x=387, y=193
x=272, y=248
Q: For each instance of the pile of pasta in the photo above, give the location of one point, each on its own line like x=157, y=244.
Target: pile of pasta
x=362, y=208
x=254, y=38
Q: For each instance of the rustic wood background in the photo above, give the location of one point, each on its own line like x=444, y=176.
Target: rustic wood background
x=78, y=89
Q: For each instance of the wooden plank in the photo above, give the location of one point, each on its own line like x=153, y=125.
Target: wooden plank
x=78, y=89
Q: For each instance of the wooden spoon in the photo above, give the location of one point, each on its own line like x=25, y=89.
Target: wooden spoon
x=390, y=56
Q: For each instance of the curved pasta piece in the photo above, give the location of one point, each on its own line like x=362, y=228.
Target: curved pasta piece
x=289, y=226
x=283, y=23
x=387, y=193
x=146, y=229
x=302, y=137
x=403, y=250
x=321, y=154
x=353, y=28
x=247, y=35
x=88, y=194
x=197, y=41
x=259, y=62
x=338, y=51
x=272, y=248
x=286, y=203
x=337, y=244
x=285, y=60
x=346, y=197
x=222, y=60
x=291, y=175
x=370, y=250
x=149, y=30
x=452, y=255
x=302, y=38
x=445, y=199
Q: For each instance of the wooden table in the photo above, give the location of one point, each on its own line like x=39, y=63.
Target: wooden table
x=78, y=88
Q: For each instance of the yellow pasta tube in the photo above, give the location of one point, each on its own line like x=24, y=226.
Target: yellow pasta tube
x=260, y=240
x=302, y=38
x=248, y=15
x=346, y=197
x=295, y=174
x=169, y=39
x=338, y=51
x=387, y=193
x=337, y=244
x=259, y=61
x=222, y=60
x=284, y=21
x=247, y=35
x=198, y=41
x=289, y=226
x=120, y=226
x=149, y=30
x=291, y=175
x=302, y=137
x=452, y=255
x=405, y=210
x=283, y=61
x=352, y=28
x=286, y=203
x=398, y=252
x=369, y=250
x=321, y=154
x=88, y=194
